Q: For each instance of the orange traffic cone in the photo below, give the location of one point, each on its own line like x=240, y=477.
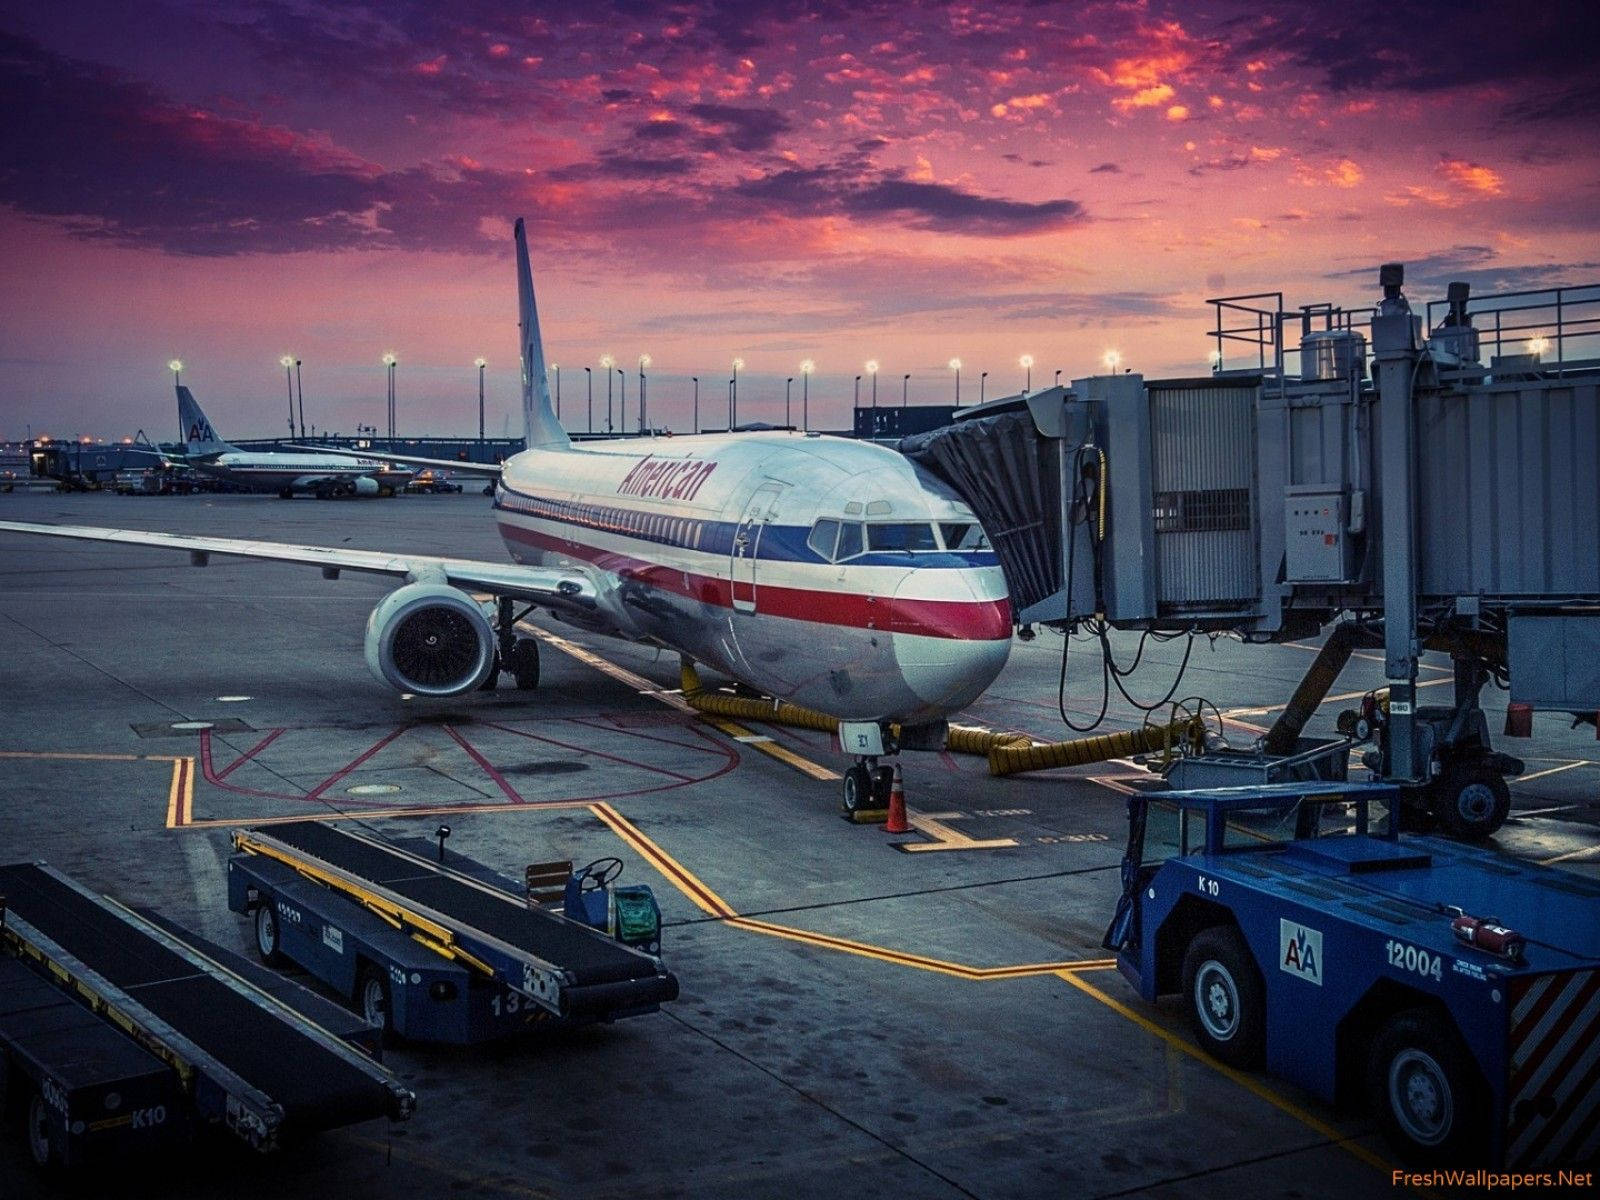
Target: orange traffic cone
x=897, y=822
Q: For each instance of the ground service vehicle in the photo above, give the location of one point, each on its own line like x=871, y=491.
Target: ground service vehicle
x=1453, y=991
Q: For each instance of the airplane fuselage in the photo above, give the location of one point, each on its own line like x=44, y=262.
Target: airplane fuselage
x=276, y=472
x=831, y=573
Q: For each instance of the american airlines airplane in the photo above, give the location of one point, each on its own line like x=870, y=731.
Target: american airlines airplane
x=323, y=475
x=831, y=573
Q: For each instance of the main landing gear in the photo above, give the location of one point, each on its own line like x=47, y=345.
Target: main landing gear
x=517, y=656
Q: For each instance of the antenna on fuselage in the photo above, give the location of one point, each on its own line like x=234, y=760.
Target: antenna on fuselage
x=538, y=417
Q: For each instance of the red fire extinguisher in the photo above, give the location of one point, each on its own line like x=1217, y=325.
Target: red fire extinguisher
x=1488, y=935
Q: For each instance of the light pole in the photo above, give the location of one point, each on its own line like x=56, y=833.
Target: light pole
x=389, y=361
x=955, y=365
x=299, y=388
x=608, y=362
x=481, y=363
x=644, y=361
x=176, y=368
x=733, y=396
x=858, y=392
x=622, y=398
x=287, y=363
x=696, y=380
x=1026, y=362
x=872, y=369
x=806, y=367
x=588, y=380
x=983, y=381
x=905, y=389
x=556, y=367
x=787, y=384
x=1112, y=360
x=1058, y=378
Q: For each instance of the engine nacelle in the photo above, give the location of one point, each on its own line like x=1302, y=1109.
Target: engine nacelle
x=366, y=485
x=431, y=640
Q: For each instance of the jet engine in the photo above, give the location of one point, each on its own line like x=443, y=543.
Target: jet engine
x=367, y=486
x=431, y=640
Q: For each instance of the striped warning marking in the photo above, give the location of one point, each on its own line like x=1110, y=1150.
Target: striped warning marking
x=1554, y=1096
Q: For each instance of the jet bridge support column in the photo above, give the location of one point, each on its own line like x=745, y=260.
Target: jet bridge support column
x=1395, y=348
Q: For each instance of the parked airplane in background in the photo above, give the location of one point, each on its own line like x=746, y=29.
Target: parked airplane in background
x=831, y=573
x=323, y=475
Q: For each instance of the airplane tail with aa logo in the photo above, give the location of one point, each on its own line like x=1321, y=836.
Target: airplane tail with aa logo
x=199, y=438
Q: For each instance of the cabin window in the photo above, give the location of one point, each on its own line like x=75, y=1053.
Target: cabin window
x=963, y=535
x=901, y=536
x=824, y=535
x=849, y=541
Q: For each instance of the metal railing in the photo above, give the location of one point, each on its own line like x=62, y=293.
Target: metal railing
x=1565, y=319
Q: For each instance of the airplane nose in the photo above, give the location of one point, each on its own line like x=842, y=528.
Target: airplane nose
x=950, y=650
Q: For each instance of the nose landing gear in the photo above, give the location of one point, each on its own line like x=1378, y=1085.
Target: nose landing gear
x=867, y=785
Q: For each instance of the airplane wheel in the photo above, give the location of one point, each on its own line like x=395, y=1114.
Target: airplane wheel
x=857, y=788
x=267, y=936
x=882, y=785
x=524, y=664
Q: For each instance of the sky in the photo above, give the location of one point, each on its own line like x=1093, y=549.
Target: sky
x=707, y=180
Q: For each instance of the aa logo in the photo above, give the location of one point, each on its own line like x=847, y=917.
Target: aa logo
x=1300, y=951
x=200, y=431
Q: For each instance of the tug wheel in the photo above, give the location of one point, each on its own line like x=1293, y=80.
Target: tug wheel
x=1471, y=801
x=1225, y=996
x=1423, y=1091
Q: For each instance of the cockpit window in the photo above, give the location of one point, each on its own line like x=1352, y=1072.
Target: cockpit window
x=823, y=536
x=904, y=536
x=849, y=541
x=961, y=535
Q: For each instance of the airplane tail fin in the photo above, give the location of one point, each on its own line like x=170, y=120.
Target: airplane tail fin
x=198, y=435
x=538, y=417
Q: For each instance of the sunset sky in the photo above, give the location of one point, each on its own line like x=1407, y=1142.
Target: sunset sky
x=227, y=182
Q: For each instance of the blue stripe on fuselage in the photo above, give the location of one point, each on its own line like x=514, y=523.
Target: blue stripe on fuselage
x=778, y=543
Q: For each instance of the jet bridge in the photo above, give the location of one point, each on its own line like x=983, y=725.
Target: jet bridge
x=1439, y=489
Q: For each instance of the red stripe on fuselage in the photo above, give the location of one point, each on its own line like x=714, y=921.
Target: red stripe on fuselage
x=964, y=620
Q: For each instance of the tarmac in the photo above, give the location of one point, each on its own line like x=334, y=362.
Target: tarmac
x=923, y=1015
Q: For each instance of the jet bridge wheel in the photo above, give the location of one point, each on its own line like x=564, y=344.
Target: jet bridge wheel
x=1423, y=1090
x=1471, y=800
x=1226, y=999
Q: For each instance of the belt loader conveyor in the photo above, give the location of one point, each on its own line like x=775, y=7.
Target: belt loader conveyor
x=437, y=952
x=186, y=1041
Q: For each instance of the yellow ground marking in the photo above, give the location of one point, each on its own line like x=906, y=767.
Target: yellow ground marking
x=1249, y=1082
x=180, y=790
x=1580, y=762
x=1571, y=855
x=946, y=838
x=1371, y=657
x=707, y=901
x=773, y=749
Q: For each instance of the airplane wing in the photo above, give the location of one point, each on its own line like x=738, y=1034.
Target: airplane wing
x=566, y=590
x=482, y=470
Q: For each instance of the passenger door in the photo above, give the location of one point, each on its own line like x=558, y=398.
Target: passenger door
x=747, y=542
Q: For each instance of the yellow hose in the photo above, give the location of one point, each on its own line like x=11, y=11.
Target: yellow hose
x=962, y=739
x=1010, y=759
